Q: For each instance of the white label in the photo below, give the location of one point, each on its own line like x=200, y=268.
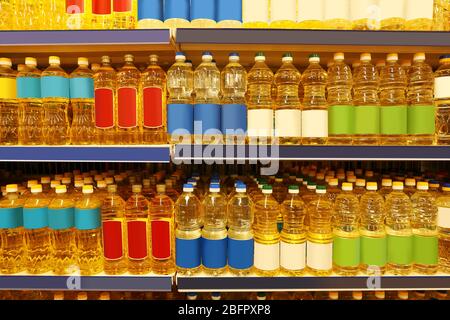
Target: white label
x=392, y=9
x=283, y=10
x=443, y=220
x=442, y=87
x=319, y=256
x=288, y=123
x=310, y=10
x=260, y=123
x=416, y=9
x=315, y=124
x=255, y=11
x=361, y=9
x=337, y=9
x=293, y=256
x=267, y=256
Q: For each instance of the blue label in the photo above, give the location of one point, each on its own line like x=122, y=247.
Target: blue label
x=180, y=119
x=55, y=87
x=35, y=218
x=240, y=253
x=28, y=87
x=81, y=88
x=11, y=218
x=87, y=219
x=203, y=9
x=61, y=219
x=177, y=9
x=214, y=253
x=234, y=117
x=150, y=9
x=229, y=10
x=188, y=253
x=207, y=118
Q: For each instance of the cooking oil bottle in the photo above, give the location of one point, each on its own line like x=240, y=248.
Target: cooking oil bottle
x=333, y=189
x=399, y=231
x=61, y=221
x=82, y=102
x=283, y=14
x=189, y=220
x=89, y=232
x=78, y=15
x=288, y=114
x=410, y=187
x=293, y=234
x=9, y=108
x=315, y=109
x=386, y=187
x=394, y=112
x=425, y=231
x=337, y=15
x=12, y=253
x=392, y=14
x=55, y=89
x=150, y=15
x=114, y=235
x=255, y=13
x=129, y=103
x=419, y=15
x=37, y=233
x=280, y=191
x=442, y=100
x=170, y=190
x=102, y=17
x=203, y=14
x=154, y=103
x=139, y=243
x=124, y=14
x=267, y=239
x=443, y=223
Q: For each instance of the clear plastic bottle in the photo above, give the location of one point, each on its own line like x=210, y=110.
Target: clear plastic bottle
x=419, y=15
x=283, y=14
x=280, y=191
x=150, y=15
x=337, y=15
x=315, y=108
x=333, y=189
x=443, y=223
x=114, y=234
x=288, y=112
x=442, y=101
x=102, y=17
x=255, y=13
x=78, y=14
x=170, y=190
x=410, y=187
x=12, y=250
x=441, y=15
x=392, y=14
x=386, y=187
x=9, y=108
x=125, y=14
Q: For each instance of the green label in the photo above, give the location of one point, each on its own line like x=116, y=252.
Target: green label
x=400, y=249
x=346, y=251
x=341, y=119
x=421, y=119
x=425, y=250
x=374, y=251
x=367, y=120
x=394, y=120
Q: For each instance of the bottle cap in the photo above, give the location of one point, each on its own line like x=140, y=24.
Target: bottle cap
x=339, y=56
x=434, y=184
x=444, y=58
x=260, y=57
x=154, y=58
x=82, y=61
x=321, y=189
x=37, y=188
x=78, y=183
x=419, y=56
x=333, y=295
x=61, y=189
x=347, y=186
x=45, y=180
x=191, y=296
x=118, y=178
x=66, y=180
x=314, y=58
x=380, y=295
x=88, y=180
x=446, y=187
x=5, y=62
x=372, y=186
x=234, y=56
x=106, y=60
x=129, y=58
x=54, y=183
x=351, y=179
x=397, y=185
x=161, y=188
x=88, y=189
x=106, y=295
x=29, y=61
x=11, y=188
x=54, y=60
x=59, y=177
x=241, y=187
x=341, y=175
x=112, y=188
x=392, y=57
x=403, y=295
x=360, y=182
x=267, y=189
x=294, y=190
x=207, y=56
x=333, y=182
x=410, y=182
x=98, y=177
x=82, y=296
x=422, y=185
x=101, y=184
x=31, y=183
x=365, y=57
x=109, y=180
x=214, y=188
x=386, y=183
x=369, y=174
x=136, y=188
x=287, y=57
x=188, y=188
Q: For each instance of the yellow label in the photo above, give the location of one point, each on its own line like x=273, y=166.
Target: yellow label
x=8, y=88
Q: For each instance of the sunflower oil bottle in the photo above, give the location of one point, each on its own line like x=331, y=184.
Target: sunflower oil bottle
x=61, y=221
x=443, y=223
x=280, y=190
x=114, y=232
x=154, y=103
x=337, y=15
x=170, y=190
x=410, y=187
x=101, y=17
x=9, y=108
x=310, y=15
x=283, y=14
x=392, y=14
x=150, y=14
x=12, y=249
x=125, y=14
x=386, y=187
x=315, y=108
x=442, y=101
x=419, y=15
x=7, y=12
x=203, y=14
x=89, y=232
x=129, y=103
x=78, y=14
x=229, y=13
x=177, y=14
x=441, y=15
x=37, y=234
x=255, y=13
x=267, y=238
x=333, y=189
x=288, y=114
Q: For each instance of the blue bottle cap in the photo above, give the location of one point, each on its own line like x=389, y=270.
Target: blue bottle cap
x=203, y=9
x=229, y=10
x=207, y=53
x=150, y=9
x=176, y=9
x=234, y=54
x=188, y=187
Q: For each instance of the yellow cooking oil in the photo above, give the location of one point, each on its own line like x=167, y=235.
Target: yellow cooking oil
x=392, y=14
x=443, y=205
x=9, y=108
x=283, y=14
x=255, y=14
x=7, y=11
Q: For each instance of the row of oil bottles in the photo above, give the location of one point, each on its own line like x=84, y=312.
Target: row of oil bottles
x=285, y=14
x=290, y=225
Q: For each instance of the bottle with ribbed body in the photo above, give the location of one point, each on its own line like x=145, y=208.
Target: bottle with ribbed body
x=443, y=205
x=410, y=187
x=9, y=108
x=386, y=187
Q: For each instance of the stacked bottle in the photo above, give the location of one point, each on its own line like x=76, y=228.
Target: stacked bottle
x=8, y=104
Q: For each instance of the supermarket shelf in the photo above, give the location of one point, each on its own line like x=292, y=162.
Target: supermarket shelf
x=348, y=153
x=157, y=154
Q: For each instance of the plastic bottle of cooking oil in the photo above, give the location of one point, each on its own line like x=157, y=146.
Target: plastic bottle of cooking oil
x=267, y=239
x=442, y=100
x=9, y=108
x=89, y=232
x=189, y=220
x=279, y=190
x=410, y=187
x=386, y=187
x=283, y=14
x=443, y=223
x=214, y=233
x=154, y=103
x=419, y=15
x=45, y=183
x=102, y=17
x=392, y=14
x=82, y=101
x=129, y=103
x=337, y=15
x=394, y=112
x=114, y=236
x=341, y=112
x=12, y=249
x=398, y=228
x=148, y=191
x=37, y=234
x=315, y=109
x=260, y=109
x=367, y=103
x=150, y=14
x=255, y=13
x=170, y=190
x=421, y=109
x=288, y=112
x=124, y=14
x=203, y=14
x=346, y=246
x=441, y=15
x=333, y=189
x=78, y=14
x=61, y=221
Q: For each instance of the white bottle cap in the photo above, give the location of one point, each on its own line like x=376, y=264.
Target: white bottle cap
x=29, y=61
x=339, y=56
x=365, y=57
x=61, y=189
x=88, y=189
x=420, y=56
x=360, y=183
x=45, y=180
x=31, y=183
x=54, y=183
x=410, y=182
x=180, y=56
x=347, y=186
x=397, y=185
x=207, y=57
x=37, y=188
x=372, y=186
x=5, y=62
x=386, y=183
x=83, y=61
x=422, y=186
x=136, y=188
x=101, y=184
x=188, y=188
x=392, y=57
x=10, y=188
x=54, y=60
x=260, y=57
x=78, y=183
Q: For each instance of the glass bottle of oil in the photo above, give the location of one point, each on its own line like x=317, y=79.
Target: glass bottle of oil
x=9, y=109
x=125, y=14
x=443, y=205
x=102, y=17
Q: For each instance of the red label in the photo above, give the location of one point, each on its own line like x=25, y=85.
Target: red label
x=137, y=239
x=127, y=107
x=101, y=6
x=104, y=108
x=153, y=111
x=74, y=6
x=161, y=239
x=112, y=240
x=122, y=5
